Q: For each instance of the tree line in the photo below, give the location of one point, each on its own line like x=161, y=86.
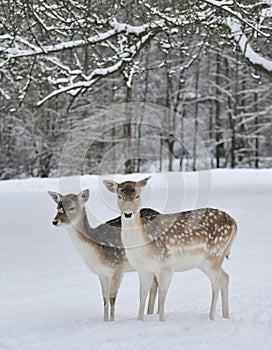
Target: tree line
x=207, y=62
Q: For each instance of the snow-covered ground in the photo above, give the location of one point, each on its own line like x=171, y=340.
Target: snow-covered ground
x=50, y=300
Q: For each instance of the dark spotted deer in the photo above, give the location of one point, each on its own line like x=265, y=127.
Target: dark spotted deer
x=101, y=248
x=174, y=242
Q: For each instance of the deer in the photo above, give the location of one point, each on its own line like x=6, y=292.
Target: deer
x=199, y=238
x=101, y=247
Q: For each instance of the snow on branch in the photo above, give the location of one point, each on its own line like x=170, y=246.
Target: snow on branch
x=224, y=5
x=99, y=73
x=125, y=41
x=117, y=28
x=252, y=56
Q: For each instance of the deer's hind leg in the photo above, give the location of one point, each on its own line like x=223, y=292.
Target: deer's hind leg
x=215, y=278
x=215, y=294
x=224, y=287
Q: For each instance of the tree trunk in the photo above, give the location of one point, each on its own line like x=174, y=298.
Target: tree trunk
x=256, y=126
x=127, y=133
x=217, y=114
x=196, y=119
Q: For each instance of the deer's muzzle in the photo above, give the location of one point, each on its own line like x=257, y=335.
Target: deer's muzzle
x=128, y=215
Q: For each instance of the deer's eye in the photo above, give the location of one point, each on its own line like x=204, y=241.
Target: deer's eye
x=71, y=209
x=119, y=196
x=138, y=196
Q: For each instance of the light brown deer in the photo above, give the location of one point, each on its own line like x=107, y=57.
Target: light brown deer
x=101, y=248
x=174, y=242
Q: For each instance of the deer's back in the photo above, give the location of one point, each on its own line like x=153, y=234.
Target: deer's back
x=206, y=233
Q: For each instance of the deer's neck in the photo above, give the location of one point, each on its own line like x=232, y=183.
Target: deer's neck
x=132, y=232
x=81, y=227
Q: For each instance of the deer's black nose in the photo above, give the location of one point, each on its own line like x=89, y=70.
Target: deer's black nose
x=55, y=222
x=128, y=215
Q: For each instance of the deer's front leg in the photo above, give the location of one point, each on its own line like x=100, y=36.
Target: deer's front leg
x=105, y=282
x=146, y=279
x=152, y=296
x=115, y=284
x=164, y=278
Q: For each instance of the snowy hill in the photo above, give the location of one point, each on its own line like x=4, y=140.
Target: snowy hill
x=50, y=300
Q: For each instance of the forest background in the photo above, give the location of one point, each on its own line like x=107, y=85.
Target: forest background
x=63, y=62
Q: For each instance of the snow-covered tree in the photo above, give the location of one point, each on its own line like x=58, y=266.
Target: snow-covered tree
x=208, y=61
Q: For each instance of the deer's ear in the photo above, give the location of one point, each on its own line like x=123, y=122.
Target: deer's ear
x=57, y=197
x=142, y=183
x=83, y=196
x=112, y=186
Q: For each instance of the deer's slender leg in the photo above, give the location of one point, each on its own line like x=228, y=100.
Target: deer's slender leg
x=215, y=283
x=146, y=279
x=164, y=278
x=152, y=297
x=215, y=278
x=115, y=284
x=215, y=293
x=105, y=282
x=224, y=287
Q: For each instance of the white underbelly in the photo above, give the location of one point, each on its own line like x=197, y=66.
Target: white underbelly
x=144, y=259
x=185, y=260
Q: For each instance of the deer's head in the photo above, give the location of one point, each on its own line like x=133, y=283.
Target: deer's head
x=69, y=207
x=128, y=195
